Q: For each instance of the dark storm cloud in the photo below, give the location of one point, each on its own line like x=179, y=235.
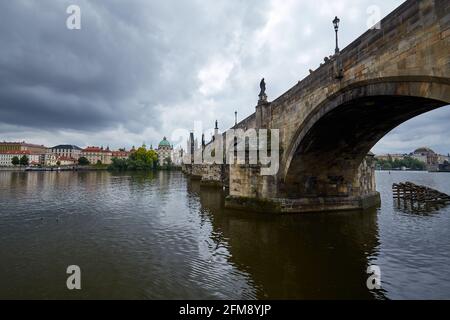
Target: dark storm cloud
x=139, y=70
x=53, y=77
x=129, y=57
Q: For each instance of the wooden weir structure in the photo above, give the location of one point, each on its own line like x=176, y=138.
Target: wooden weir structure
x=419, y=198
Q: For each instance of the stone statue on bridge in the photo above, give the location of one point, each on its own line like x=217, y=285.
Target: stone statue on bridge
x=262, y=94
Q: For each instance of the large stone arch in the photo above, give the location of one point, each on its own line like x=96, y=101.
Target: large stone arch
x=329, y=147
x=330, y=120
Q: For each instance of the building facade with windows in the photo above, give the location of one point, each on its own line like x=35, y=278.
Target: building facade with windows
x=50, y=159
x=177, y=156
x=6, y=157
x=67, y=151
x=97, y=155
x=391, y=157
x=66, y=161
x=428, y=156
x=164, y=152
x=22, y=146
x=443, y=159
x=121, y=154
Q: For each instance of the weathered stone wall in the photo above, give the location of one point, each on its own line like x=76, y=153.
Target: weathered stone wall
x=197, y=171
x=214, y=175
x=211, y=175
x=365, y=177
x=251, y=191
x=247, y=181
x=249, y=122
x=186, y=168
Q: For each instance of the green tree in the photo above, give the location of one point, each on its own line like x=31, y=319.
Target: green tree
x=414, y=164
x=387, y=165
x=24, y=161
x=407, y=162
x=119, y=164
x=15, y=161
x=153, y=155
x=143, y=158
x=83, y=161
x=140, y=159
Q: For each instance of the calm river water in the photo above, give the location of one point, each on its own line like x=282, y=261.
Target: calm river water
x=161, y=236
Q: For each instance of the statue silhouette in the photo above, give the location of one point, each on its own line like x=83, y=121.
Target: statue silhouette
x=262, y=85
x=262, y=94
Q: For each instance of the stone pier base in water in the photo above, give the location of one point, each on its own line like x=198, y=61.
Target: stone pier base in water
x=304, y=205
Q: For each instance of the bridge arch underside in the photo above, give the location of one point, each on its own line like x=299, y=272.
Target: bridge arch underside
x=329, y=156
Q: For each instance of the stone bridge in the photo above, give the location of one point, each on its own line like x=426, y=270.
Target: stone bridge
x=329, y=121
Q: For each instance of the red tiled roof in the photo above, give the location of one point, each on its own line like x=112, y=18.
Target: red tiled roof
x=26, y=152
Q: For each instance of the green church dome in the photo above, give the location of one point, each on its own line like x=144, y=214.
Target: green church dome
x=164, y=143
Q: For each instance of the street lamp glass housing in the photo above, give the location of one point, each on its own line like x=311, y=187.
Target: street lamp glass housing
x=336, y=23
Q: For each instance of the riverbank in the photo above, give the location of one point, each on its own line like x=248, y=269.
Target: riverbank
x=11, y=169
x=102, y=167
x=70, y=168
x=61, y=168
x=411, y=170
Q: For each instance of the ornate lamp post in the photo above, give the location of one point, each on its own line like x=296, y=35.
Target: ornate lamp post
x=336, y=28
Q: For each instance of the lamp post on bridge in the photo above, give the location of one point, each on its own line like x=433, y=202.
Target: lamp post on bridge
x=336, y=29
x=337, y=64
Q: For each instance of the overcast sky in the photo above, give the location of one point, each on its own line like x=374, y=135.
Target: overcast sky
x=139, y=70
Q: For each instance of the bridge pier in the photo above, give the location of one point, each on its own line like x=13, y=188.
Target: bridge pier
x=303, y=205
x=214, y=175
x=210, y=175
x=192, y=171
x=251, y=191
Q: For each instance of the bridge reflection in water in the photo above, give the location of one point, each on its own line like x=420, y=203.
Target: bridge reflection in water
x=317, y=256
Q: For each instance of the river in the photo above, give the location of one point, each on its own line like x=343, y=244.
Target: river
x=161, y=236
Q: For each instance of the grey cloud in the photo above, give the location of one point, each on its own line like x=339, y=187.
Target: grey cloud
x=132, y=72
x=430, y=129
x=129, y=54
